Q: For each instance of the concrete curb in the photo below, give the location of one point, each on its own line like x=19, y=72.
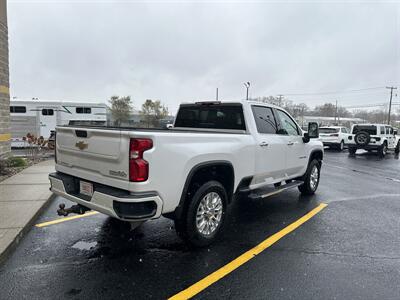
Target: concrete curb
x=13, y=245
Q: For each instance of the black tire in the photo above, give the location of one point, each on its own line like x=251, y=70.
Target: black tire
x=362, y=138
x=186, y=226
x=340, y=147
x=352, y=150
x=383, y=150
x=307, y=188
x=397, y=149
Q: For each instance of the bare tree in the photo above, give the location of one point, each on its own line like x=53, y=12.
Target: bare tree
x=121, y=108
x=153, y=112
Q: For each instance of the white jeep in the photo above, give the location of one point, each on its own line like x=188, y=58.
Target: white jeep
x=373, y=137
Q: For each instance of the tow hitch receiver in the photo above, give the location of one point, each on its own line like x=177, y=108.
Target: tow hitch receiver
x=74, y=209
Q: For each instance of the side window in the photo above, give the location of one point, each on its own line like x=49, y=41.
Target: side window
x=83, y=110
x=391, y=130
x=287, y=125
x=387, y=130
x=47, y=112
x=264, y=118
x=382, y=130
x=344, y=130
x=18, y=109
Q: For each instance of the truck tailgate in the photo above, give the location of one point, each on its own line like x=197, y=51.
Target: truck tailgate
x=97, y=153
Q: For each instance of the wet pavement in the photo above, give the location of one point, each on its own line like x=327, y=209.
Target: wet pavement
x=350, y=250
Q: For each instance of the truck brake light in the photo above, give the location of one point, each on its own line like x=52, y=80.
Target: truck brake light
x=138, y=167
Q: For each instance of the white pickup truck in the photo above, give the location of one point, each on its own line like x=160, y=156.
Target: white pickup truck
x=215, y=152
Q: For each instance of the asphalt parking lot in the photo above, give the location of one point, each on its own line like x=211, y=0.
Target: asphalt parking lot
x=348, y=250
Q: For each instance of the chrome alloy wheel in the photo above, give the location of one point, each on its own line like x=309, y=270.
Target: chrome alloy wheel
x=209, y=214
x=314, y=178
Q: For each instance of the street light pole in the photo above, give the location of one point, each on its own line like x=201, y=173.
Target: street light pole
x=247, y=85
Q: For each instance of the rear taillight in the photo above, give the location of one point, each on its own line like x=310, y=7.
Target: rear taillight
x=138, y=167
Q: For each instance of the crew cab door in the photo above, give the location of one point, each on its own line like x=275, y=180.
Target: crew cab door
x=295, y=148
x=270, y=148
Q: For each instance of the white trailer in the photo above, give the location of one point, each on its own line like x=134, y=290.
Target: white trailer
x=40, y=117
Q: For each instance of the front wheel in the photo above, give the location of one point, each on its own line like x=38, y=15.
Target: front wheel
x=204, y=217
x=311, y=178
x=397, y=149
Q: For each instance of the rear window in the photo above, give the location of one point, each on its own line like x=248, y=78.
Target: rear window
x=371, y=129
x=328, y=130
x=216, y=116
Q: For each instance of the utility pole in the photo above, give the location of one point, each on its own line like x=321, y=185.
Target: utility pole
x=217, y=95
x=247, y=85
x=390, y=101
x=336, y=112
x=280, y=100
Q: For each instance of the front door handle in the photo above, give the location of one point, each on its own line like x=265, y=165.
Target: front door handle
x=290, y=144
x=263, y=144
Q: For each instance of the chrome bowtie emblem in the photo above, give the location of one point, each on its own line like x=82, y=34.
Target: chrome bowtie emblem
x=81, y=145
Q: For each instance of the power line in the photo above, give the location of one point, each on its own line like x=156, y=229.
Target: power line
x=335, y=92
x=370, y=105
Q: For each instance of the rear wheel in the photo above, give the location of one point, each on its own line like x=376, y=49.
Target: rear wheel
x=352, y=150
x=204, y=217
x=341, y=146
x=311, y=178
x=397, y=149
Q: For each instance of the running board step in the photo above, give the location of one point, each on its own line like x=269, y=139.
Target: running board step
x=266, y=192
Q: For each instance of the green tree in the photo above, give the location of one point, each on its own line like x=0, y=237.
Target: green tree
x=121, y=108
x=153, y=112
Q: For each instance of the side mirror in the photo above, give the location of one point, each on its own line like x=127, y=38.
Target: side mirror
x=313, y=130
x=306, y=137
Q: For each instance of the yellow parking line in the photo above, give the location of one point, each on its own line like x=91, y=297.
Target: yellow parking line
x=88, y=214
x=245, y=257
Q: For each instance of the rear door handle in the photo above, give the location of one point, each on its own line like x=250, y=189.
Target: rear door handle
x=263, y=144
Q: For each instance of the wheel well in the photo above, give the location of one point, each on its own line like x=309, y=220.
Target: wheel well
x=318, y=155
x=218, y=171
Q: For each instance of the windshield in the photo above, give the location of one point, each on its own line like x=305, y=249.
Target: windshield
x=328, y=130
x=371, y=129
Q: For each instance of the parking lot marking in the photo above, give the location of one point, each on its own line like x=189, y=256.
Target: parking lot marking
x=66, y=219
x=245, y=257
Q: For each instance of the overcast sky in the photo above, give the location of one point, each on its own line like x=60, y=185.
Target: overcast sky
x=178, y=52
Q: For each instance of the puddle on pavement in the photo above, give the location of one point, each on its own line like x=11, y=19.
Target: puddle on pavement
x=81, y=245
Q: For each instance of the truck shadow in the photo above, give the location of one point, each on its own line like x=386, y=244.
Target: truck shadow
x=248, y=223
